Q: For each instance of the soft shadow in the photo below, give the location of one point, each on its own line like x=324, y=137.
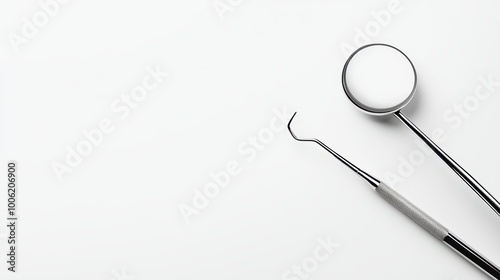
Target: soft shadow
x=408, y=110
x=415, y=103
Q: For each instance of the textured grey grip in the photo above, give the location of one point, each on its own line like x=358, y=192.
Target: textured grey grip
x=412, y=211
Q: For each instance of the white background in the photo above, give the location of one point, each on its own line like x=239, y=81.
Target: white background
x=116, y=216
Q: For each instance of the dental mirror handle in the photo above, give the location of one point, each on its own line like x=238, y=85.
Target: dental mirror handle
x=473, y=184
x=437, y=230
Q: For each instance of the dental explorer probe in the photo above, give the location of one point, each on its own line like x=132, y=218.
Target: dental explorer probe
x=414, y=213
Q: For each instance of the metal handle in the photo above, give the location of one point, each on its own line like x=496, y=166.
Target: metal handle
x=465, y=250
x=412, y=211
x=436, y=229
x=473, y=184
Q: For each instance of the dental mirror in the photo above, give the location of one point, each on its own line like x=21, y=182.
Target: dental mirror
x=380, y=79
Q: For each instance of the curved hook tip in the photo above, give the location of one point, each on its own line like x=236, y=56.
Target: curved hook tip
x=290, y=129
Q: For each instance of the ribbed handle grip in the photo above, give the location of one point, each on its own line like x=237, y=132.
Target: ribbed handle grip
x=412, y=211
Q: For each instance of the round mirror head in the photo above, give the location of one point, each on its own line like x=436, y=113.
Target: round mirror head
x=379, y=79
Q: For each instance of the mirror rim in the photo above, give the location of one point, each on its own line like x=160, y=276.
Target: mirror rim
x=368, y=109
